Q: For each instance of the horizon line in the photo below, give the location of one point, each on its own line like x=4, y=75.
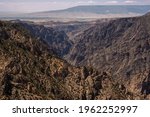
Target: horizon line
x=18, y=12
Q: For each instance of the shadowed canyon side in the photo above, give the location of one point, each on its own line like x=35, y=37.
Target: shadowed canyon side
x=30, y=70
x=57, y=40
x=120, y=47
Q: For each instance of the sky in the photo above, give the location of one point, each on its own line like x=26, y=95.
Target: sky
x=27, y=6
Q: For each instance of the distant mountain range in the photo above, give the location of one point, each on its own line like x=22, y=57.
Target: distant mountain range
x=83, y=12
x=102, y=9
x=97, y=11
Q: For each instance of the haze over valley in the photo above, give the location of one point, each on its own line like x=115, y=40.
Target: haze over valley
x=85, y=13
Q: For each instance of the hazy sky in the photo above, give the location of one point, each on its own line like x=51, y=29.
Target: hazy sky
x=46, y=5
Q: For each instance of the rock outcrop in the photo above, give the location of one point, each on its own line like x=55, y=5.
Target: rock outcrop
x=120, y=47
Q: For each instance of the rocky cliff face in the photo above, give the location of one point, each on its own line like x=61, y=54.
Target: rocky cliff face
x=121, y=47
x=29, y=70
x=118, y=49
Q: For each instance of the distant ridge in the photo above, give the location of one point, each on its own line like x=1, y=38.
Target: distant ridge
x=148, y=13
x=96, y=11
x=86, y=12
x=106, y=9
